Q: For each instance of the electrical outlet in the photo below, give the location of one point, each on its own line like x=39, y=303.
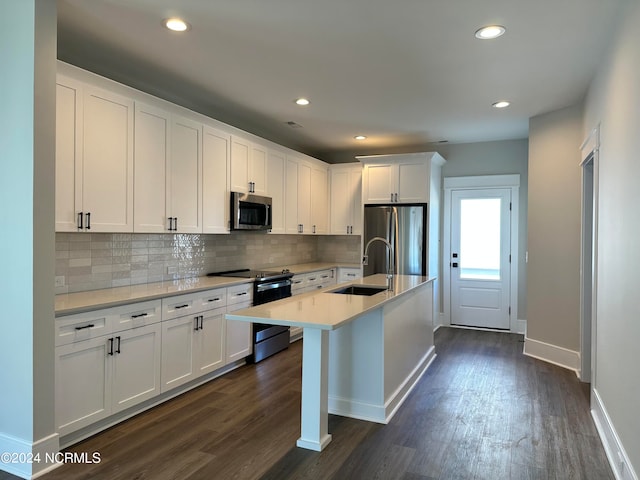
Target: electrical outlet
x=59, y=282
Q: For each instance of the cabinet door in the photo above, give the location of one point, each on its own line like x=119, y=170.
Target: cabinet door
x=177, y=352
x=82, y=383
x=379, y=183
x=239, y=334
x=291, y=196
x=184, y=175
x=216, y=148
x=276, y=187
x=258, y=169
x=107, y=178
x=304, y=197
x=355, y=192
x=413, y=181
x=68, y=154
x=319, y=199
x=240, y=158
x=210, y=341
x=340, y=201
x=151, y=154
x=136, y=366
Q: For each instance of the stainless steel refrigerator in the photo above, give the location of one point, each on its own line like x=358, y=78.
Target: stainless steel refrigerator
x=405, y=227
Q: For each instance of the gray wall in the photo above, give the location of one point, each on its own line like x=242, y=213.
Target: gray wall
x=553, y=279
x=613, y=102
x=495, y=158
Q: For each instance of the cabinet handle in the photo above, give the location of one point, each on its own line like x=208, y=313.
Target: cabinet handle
x=313, y=230
x=201, y=322
x=175, y=224
x=88, y=220
x=170, y=223
x=241, y=293
x=91, y=325
x=217, y=299
x=396, y=195
x=139, y=315
x=110, y=352
x=351, y=274
x=80, y=215
x=392, y=197
x=118, y=348
x=195, y=321
x=177, y=307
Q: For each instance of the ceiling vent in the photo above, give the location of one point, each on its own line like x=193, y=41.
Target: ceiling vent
x=293, y=124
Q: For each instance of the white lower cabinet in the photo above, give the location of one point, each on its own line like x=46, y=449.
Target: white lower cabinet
x=177, y=351
x=239, y=335
x=210, y=341
x=97, y=376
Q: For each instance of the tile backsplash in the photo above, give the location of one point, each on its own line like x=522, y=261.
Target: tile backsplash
x=91, y=261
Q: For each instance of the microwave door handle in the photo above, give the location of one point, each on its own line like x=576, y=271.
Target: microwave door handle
x=266, y=217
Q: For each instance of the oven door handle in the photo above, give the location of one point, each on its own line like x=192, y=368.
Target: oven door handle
x=263, y=287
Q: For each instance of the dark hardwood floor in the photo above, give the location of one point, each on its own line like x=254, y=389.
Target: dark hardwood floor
x=482, y=411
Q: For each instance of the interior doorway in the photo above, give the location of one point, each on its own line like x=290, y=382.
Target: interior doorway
x=588, y=256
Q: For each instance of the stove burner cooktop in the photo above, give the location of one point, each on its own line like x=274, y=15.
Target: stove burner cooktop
x=259, y=275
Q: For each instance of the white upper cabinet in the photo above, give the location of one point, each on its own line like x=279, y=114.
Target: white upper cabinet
x=94, y=158
x=346, y=199
x=184, y=199
x=276, y=162
x=319, y=199
x=396, y=178
x=248, y=166
x=68, y=154
x=216, y=150
x=151, y=158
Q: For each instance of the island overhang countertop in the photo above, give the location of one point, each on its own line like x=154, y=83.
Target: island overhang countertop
x=324, y=310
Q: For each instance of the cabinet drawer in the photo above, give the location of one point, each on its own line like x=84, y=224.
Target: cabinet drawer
x=83, y=326
x=240, y=293
x=347, y=274
x=180, y=305
x=212, y=299
x=136, y=315
x=298, y=283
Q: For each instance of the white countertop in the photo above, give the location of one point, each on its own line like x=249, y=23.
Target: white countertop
x=328, y=311
x=70, y=303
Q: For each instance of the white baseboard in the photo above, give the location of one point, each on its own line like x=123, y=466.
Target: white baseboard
x=618, y=458
x=35, y=455
x=547, y=352
x=519, y=326
x=382, y=413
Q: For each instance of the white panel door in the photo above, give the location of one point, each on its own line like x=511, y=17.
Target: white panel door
x=151, y=155
x=136, y=366
x=240, y=159
x=340, y=201
x=238, y=336
x=291, y=196
x=216, y=149
x=413, y=182
x=184, y=192
x=379, y=183
x=480, y=257
x=319, y=199
x=304, y=197
x=107, y=179
x=258, y=169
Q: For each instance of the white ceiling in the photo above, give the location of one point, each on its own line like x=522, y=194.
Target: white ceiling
x=405, y=72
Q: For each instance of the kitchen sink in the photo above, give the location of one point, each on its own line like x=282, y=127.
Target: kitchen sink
x=359, y=290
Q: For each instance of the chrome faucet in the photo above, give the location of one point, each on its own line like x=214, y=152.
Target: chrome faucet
x=365, y=259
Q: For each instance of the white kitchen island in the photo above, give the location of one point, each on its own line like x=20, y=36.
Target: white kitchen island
x=361, y=355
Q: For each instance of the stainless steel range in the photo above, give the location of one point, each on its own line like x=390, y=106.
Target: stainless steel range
x=267, y=287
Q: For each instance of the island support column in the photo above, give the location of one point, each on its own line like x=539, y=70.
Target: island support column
x=315, y=390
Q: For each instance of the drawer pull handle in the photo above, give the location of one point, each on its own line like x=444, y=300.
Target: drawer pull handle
x=242, y=293
x=91, y=325
x=181, y=306
x=217, y=299
x=139, y=315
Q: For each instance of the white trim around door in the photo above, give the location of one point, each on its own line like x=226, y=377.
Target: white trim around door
x=452, y=184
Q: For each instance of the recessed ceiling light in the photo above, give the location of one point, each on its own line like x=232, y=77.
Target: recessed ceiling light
x=302, y=102
x=501, y=104
x=360, y=137
x=176, y=24
x=490, y=31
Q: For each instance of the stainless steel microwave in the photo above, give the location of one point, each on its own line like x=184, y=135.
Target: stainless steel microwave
x=250, y=212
